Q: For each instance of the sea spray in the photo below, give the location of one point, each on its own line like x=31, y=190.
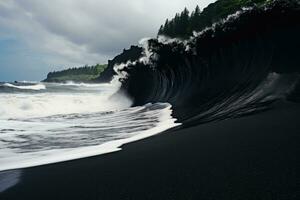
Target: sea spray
x=70, y=121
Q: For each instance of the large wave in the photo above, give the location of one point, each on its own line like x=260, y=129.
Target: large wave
x=235, y=67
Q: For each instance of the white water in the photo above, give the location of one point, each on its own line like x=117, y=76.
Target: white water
x=70, y=121
x=60, y=99
x=27, y=87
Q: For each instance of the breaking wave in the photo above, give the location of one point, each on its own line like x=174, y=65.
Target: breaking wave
x=25, y=87
x=238, y=66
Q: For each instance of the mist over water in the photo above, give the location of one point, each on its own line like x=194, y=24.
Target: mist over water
x=43, y=123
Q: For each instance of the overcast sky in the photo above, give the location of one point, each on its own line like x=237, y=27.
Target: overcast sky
x=37, y=36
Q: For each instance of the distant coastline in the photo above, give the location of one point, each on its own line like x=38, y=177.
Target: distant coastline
x=80, y=74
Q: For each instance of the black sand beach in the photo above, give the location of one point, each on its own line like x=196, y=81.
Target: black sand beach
x=253, y=157
x=227, y=72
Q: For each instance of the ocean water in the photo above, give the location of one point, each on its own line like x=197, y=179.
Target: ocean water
x=42, y=123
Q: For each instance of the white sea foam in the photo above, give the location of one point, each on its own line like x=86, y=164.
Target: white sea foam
x=71, y=121
x=27, y=87
x=39, y=142
x=71, y=83
x=94, y=98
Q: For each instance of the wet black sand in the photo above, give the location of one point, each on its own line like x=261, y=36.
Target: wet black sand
x=254, y=157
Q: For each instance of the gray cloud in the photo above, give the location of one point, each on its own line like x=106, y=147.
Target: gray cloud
x=85, y=31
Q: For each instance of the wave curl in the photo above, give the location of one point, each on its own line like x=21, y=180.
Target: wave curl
x=238, y=66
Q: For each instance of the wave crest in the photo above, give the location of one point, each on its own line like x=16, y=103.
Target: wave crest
x=26, y=87
x=233, y=68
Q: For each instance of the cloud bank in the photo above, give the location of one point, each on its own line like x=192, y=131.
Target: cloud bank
x=44, y=34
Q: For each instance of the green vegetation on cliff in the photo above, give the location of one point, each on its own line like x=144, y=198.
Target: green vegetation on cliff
x=184, y=24
x=80, y=74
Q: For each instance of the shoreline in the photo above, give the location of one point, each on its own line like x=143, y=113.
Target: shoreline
x=252, y=157
x=14, y=162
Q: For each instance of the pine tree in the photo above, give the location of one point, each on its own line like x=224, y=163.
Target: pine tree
x=195, y=21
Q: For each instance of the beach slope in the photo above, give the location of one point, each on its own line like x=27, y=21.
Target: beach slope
x=253, y=157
